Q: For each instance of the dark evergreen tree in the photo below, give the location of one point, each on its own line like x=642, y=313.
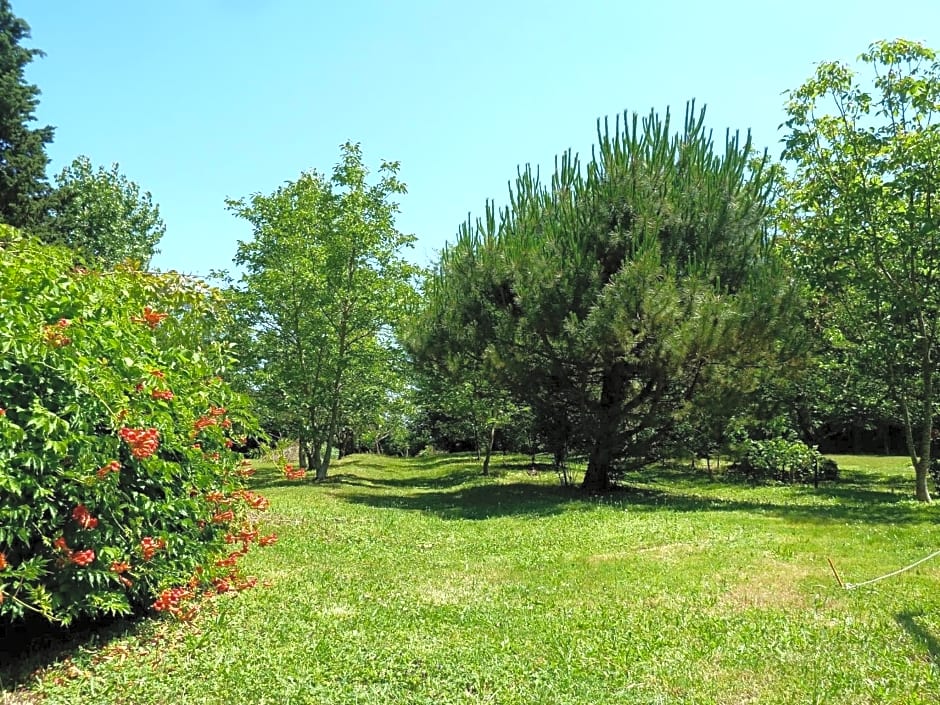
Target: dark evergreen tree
x=23, y=185
x=604, y=299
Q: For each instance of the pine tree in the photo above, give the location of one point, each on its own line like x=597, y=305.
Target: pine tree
x=603, y=300
x=23, y=159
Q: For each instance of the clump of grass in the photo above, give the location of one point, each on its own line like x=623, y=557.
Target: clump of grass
x=421, y=582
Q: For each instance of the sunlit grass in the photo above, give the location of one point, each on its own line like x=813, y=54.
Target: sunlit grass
x=418, y=581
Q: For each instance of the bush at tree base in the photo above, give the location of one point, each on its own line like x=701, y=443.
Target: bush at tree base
x=117, y=482
x=782, y=460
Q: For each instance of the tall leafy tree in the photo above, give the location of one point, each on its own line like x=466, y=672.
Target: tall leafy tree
x=603, y=298
x=23, y=159
x=103, y=214
x=865, y=221
x=325, y=281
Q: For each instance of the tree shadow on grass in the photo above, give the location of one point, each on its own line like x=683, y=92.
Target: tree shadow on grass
x=452, y=479
x=478, y=501
x=907, y=621
x=486, y=501
x=273, y=479
x=857, y=506
x=438, y=461
x=417, y=463
x=452, y=487
x=30, y=646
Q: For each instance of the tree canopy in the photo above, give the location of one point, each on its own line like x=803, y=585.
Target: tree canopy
x=324, y=284
x=864, y=221
x=103, y=215
x=604, y=299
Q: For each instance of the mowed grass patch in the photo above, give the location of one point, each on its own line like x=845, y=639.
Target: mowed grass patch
x=418, y=581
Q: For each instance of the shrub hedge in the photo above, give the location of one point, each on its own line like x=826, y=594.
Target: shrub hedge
x=116, y=478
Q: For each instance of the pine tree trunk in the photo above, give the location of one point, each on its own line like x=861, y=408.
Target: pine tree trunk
x=597, y=476
x=600, y=468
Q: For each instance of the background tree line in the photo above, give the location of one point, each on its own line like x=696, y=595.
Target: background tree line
x=675, y=294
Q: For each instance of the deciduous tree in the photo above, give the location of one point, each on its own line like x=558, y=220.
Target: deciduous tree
x=865, y=223
x=104, y=215
x=325, y=281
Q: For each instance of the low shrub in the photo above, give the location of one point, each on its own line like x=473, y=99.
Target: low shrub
x=117, y=481
x=782, y=460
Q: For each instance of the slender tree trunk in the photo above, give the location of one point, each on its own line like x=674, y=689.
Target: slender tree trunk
x=921, y=464
x=342, y=349
x=342, y=443
x=489, y=450
x=922, y=473
x=324, y=465
x=302, y=452
x=313, y=453
x=922, y=469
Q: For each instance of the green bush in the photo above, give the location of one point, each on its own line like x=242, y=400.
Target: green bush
x=935, y=472
x=116, y=478
x=782, y=460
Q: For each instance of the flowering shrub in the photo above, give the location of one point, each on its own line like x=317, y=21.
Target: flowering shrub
x=292, y=473
x=114, y=422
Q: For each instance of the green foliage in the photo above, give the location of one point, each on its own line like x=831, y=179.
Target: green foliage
x=782, y=460
x=114, y=430
x=378, y=408
x=103, y=215
x=23, y=159
x=864, y=223
x=324, y=285
x=459, y=407
x=604, y=299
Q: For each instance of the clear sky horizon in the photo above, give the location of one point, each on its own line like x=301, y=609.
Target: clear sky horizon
x=200, y=100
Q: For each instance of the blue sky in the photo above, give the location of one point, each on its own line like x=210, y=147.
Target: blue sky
x=199, y=100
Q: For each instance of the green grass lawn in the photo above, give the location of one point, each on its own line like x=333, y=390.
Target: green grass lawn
x=418, y=581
